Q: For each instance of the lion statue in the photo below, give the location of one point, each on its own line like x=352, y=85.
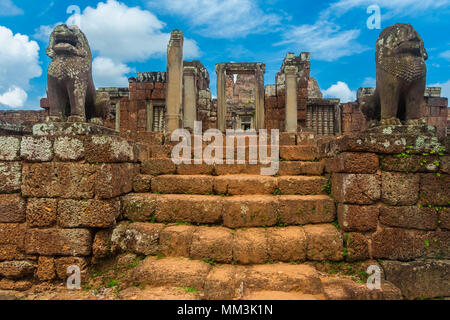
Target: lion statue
x=401, y=78
x=71, y=90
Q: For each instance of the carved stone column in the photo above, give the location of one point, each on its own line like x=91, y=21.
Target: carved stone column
x=291, y=98
x=221, y=99
x=174, y=80
x=259, y=97
x=190, y=97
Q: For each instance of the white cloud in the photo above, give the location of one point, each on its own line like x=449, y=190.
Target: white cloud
x=445, y=54
x=369, y=82
x=221, y=18
x=340, y=90
x=324, y=40
x=107, y=73
x=119, y=34
x=445, y=88
x=127, y=34
x=15, y=97
x=8, y=8
x=19, y=63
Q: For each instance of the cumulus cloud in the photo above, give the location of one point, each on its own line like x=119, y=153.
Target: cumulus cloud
x=107, y=73
x=341, y=91
x=15, y=97
x=127, y=34
x=18, y=64
x=221, y=18
x=119, y=34
x=8, y=8
x=325, y=40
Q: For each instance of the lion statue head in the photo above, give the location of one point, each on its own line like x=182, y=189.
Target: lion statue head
x=68, y=41
x=400, y=51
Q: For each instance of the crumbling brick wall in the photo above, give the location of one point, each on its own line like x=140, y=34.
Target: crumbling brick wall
x=22, y=118
x=144, y=88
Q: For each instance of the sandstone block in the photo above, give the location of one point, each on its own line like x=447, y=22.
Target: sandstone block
x=357, y=247
x=142, y=183
x=143, y=238
x=419, y=279
x=286, y=244
x=356, y=188
x=88, y=213
x=35, y=149
x=324, y=242
x=65, y=180
x=158, y=166
x=10, y=177
x=399, y=189
x=46, y=269
x=301, y=210
x=139, y=207
x=9, y=148
x=65, y=242
x=301, y=185
x=358, y=218
x=250, y=246
x=109, y=149
x=189, y=208
x=409, y=217
x=249, y=211
x=177, y=184
x=69, y=149
x=212, y=243
x=244, y=184
x=16, y=269
x=41, y=212
x=12, y=208
x=435, y=190
x=352, y=162
x=176, y=240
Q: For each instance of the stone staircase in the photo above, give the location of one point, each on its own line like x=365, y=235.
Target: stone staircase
x=231, y=233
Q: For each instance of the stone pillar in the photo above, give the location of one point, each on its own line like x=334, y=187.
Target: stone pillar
x=174, y=80
x=149, y=115
x=118, y=115
x=259, y=97
x=190, y=97
x=221, y=100
x=291, y=98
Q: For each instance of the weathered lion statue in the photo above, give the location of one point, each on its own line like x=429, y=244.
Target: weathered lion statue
x=401, y=77
x=71, y=90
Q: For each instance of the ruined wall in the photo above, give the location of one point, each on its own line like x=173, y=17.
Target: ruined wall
x=240, y=99
x=21, y=119
x=56, y=193
x=275, y=95
x=146, y=88
x=391, y=188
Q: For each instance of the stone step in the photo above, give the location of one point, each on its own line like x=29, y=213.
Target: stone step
x=218, y=244
x=232, y=212
x=227, y=282
x=158, y=166
x=307, y=152
x=231, y=184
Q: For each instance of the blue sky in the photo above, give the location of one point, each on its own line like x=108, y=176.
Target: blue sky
x=130, y=36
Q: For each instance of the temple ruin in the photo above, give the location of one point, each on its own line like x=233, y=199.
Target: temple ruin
x=107, y=197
